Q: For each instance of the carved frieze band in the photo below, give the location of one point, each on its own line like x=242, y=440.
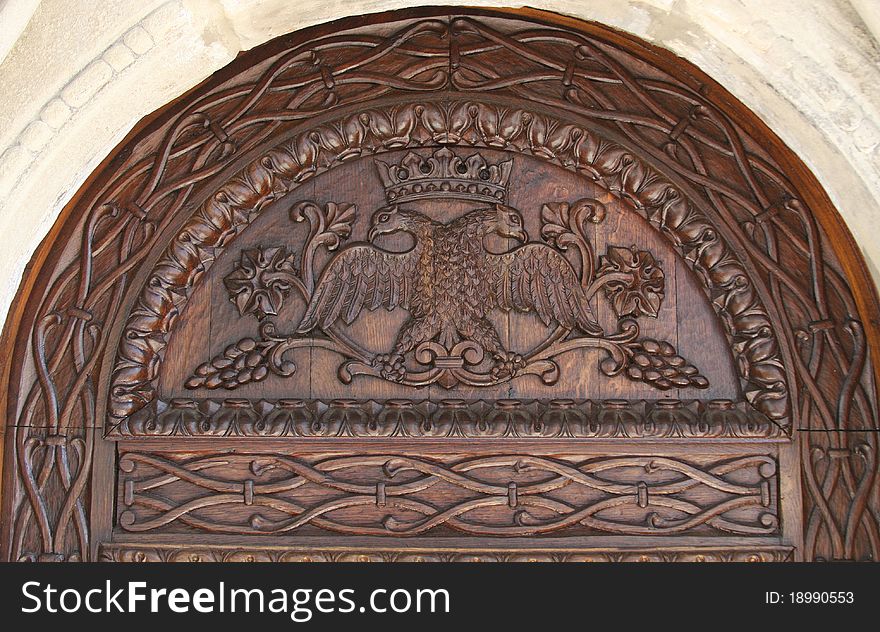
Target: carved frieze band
x=189, y=553
x=469, y=123
x=505, y=495
x=624, y=419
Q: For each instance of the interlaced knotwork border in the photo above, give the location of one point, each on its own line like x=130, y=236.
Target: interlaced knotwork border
x=509, y=495
x=772, y=229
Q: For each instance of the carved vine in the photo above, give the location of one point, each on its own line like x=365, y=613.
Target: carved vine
x=734, y=298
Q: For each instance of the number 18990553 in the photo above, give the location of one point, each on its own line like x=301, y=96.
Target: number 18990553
x=812, y=597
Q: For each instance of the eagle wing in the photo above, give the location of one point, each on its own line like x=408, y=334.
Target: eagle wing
x=535, y=277
x=360, y=276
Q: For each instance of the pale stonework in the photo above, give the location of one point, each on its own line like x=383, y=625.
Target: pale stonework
x=76, y=75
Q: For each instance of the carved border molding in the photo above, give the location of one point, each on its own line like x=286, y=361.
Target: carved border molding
x=236, y=204
x=620, y=419
x=190, y=553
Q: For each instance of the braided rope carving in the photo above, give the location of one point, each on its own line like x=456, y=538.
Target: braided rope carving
x=498, y=495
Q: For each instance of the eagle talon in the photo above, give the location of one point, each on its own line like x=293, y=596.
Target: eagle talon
x=507, y=365
x=390, y=366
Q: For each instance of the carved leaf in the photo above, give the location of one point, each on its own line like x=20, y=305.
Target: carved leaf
x=635, y=283
x=330, y=226
x=563, y=224
x=339, y=220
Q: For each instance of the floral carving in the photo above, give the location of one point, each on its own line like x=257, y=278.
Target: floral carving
x=179, y=552
x=636, y=288
x=261, y=281
x=763, y=378
x=532, y=277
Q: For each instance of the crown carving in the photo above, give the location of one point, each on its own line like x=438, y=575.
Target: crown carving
x=447, y=175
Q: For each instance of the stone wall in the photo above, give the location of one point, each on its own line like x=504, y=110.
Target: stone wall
x=76, y=75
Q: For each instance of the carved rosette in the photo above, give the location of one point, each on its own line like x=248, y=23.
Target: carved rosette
x=637, y=287
x=261, y=281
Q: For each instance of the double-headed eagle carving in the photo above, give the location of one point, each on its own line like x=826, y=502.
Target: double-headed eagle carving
x=449, y=281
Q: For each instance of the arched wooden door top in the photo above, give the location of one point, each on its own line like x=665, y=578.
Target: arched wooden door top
x=459, y=94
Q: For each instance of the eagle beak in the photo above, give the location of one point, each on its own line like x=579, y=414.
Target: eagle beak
x=521, y=235
x=374, y=232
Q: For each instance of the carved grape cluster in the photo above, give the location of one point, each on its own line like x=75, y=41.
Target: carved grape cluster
x=657, y=363
x=242, y=362
x=391, y=366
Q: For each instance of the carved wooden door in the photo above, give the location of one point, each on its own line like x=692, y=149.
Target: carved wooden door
x=472, y=286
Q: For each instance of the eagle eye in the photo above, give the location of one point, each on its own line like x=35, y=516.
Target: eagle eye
x=515, y=219
x=384, y=217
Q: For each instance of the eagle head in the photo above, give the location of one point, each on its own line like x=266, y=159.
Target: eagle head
x=393, y=219
x=506, y=222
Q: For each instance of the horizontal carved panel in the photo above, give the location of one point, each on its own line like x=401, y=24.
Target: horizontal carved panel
x=190, y=553
x=450, y=418
x=499, y=495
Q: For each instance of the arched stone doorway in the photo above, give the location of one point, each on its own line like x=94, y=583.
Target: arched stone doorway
x=629, y=323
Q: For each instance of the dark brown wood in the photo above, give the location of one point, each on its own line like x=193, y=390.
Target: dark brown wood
x=404, y=551
x=270, y=492
x=462, y=284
